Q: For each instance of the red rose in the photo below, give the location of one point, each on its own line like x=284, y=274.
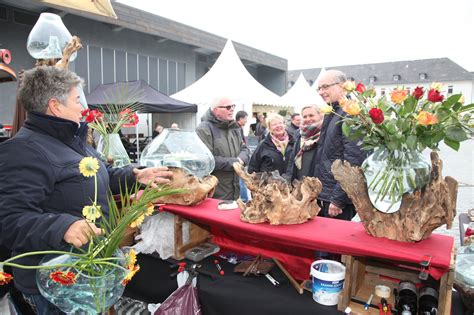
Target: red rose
x=434, y=96
x=94, y=115
x=418, y=92
x=377, y=115
x=360, y=88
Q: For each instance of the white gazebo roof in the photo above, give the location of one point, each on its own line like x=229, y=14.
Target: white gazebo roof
x=227, y=77
x=301, y=95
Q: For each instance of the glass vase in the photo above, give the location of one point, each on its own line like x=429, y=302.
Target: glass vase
x=89, y=294
x=390, y=174
x=111, y=150
x=48, y=38
x=179, y=148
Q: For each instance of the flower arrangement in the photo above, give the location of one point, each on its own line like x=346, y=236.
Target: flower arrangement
x=108, y=124
x=397, y=128
x=100, y=256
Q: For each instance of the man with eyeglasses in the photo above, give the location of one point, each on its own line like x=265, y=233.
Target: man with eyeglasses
x=332, y=146
x=221, y=134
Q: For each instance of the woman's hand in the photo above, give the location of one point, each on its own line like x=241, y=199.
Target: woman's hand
x=154, y=175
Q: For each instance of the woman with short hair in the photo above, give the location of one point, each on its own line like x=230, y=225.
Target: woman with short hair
x=275, y=150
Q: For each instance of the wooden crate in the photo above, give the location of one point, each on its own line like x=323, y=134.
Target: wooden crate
x=197, y=234
x=363, y=274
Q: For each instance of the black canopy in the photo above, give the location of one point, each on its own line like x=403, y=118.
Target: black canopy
x=150, y=100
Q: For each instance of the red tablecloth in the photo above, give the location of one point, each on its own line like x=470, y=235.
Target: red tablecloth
x=300, y=240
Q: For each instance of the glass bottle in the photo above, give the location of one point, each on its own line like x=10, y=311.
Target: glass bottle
x=48, y=38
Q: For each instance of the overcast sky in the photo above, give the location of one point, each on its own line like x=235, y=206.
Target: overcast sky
x=326, y=33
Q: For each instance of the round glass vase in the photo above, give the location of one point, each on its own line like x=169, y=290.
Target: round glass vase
x=89, y=294
x=390, y=174
x=111, y=150
x=48, y=38
x=179, y=148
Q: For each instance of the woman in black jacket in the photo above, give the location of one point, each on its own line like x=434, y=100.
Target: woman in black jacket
x=274, y=151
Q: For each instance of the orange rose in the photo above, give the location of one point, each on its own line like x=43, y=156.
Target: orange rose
x=424, y=118
x=398, y=96
x=351, y=107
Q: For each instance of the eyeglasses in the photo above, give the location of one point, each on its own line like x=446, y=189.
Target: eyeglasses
x=326, y=86
x=228, y=107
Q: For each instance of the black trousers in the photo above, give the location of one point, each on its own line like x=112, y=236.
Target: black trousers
x=348, y=212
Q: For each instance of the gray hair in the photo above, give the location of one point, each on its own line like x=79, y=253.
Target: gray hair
x=337, y=74
x=43, y=83
x=316, y=107
x=273, y=116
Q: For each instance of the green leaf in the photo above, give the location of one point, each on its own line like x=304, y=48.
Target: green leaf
x=467, y=108
x=411, y=142
x=391, y=128
x=408, y=106
x=452, y=144
x=456, y=133
x=346, y=130
x=451, y=100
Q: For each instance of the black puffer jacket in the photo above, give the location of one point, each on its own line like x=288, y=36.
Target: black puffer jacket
x=333, y=145
x=267, y=158
x=42, y=191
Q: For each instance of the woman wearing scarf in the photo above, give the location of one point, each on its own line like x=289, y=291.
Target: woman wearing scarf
x=274, y=151
x=306, y=141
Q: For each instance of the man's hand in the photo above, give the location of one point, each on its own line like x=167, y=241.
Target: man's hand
x=153, y=175
x=334, y=210
x=80, y=232
x=240, y=161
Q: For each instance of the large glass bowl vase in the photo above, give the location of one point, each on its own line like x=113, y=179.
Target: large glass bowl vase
x=179, y=148
x=90, y=294
x=390, y=174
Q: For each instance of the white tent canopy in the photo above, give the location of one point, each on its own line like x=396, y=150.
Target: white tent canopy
x=301, y=95
x=228, y=77
x=316, y=82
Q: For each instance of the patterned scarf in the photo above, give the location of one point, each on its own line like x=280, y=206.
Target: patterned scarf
x=281, y=142
x=309, y=138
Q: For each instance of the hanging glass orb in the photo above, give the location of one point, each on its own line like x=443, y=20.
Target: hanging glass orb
x=48, y=38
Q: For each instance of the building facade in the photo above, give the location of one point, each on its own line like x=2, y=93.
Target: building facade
x=384, y=77
x=138, y=45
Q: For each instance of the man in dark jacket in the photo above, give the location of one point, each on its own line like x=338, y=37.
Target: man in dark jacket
x=42, y=192
x=295, y=123
x=332, y=146
x=221, y=134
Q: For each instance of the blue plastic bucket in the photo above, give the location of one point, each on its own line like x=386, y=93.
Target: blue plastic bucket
x=328, y=279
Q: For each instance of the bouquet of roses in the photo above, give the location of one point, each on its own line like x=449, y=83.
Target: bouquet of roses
x=398, y=128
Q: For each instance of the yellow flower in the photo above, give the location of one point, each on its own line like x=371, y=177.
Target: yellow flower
x=131, y=272
x=91, y=213
x=436, y=86
x=131, y=259
x=150, y=209
x=349, y=86
x=424, y=118
x=138, y=221
x=325, y=109
x=89, y=166
x=351, y=107
x=398, y=95
x=461, y=99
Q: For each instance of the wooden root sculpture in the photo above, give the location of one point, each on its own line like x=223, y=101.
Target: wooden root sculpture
x=197, y=189
x=277, y=202
x=420, y=212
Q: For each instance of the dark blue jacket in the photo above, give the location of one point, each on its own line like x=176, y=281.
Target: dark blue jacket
x=42, y=191
x=267, y=158
x=333, y=145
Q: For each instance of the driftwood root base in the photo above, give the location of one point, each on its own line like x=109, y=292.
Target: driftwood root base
x=420, y=212
x=277, y=202
x=197, y=189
